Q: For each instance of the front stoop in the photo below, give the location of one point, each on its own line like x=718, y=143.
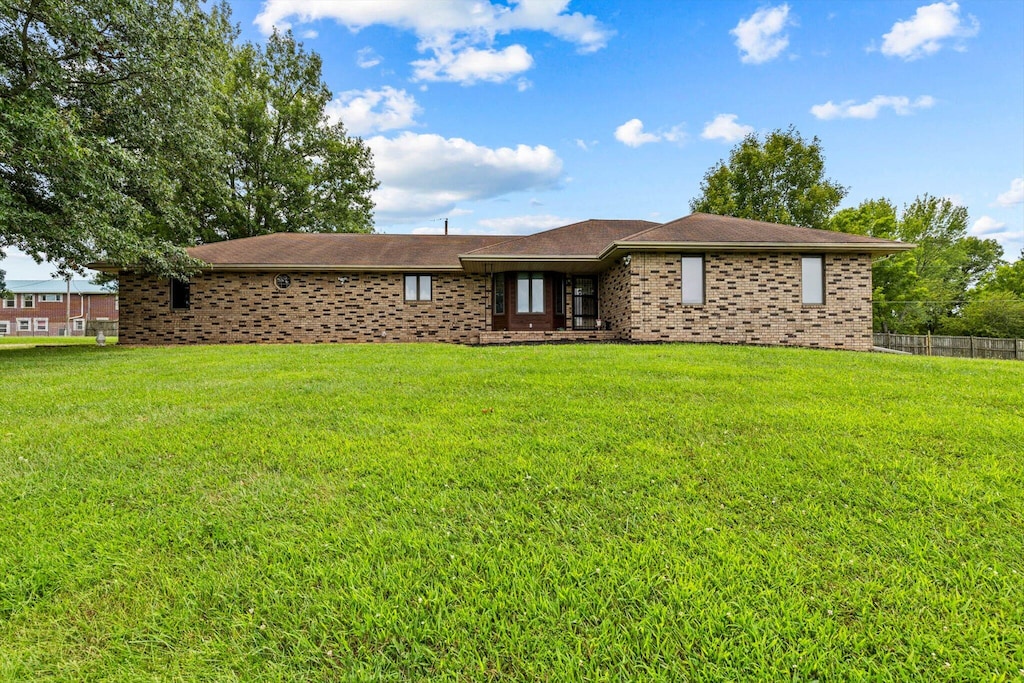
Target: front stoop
x=554, y=336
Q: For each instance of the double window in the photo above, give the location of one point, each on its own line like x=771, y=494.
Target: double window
x=692, y=270
x=10, y=301
x=28, y=300
x=530, y=293
x=418, y=288
x=813, y=272
x=51, y=298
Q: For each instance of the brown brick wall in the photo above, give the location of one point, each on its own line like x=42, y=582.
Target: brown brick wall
x=753, y=299
x=233, y=307
x=613, y=298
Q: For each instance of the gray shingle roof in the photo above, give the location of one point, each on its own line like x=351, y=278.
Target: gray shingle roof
x=56, y=287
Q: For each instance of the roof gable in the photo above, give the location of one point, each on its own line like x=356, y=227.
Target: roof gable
x=586, y=238
x=710, y=229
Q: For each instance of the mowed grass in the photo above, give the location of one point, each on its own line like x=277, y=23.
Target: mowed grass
x=561, y=513
x=9, y=343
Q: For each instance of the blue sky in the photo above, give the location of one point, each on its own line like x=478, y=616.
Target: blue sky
x=512, y=117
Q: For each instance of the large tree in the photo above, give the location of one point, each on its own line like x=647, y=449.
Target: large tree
x=287, y=167
x=106, y=128
x=922, y=289
x=780, y=180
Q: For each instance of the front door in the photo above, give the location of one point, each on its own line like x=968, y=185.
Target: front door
x=532, y=301
x=584, y=304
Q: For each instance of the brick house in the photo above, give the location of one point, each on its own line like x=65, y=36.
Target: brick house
x=701, y=278
x=41, y=308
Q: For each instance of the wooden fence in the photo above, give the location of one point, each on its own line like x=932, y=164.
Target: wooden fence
x=956, y=347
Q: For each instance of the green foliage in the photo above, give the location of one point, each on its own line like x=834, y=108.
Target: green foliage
x=288, y=168
x=781, y=180
x=921, y=290
x=996, y=306
x=132, y=128
x=1008, y=277
x=564, y=513
x=106, y=130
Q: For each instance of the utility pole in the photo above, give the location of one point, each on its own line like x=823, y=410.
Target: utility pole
x=67, y=300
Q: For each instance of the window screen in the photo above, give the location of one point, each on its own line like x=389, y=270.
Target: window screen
x=813, y=280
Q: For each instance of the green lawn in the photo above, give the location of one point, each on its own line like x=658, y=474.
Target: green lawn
x=603, y=512
x=7, y=342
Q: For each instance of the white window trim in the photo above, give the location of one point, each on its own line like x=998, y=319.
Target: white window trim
x=11, y=301
x=27, y=322
x=58, y=300
x=31, y=298
x=803, y=285
x=693, y=301
x=77, y=325
x=5, y=327
x=44, y=327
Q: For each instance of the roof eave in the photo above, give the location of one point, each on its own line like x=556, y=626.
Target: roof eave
x=837, y=247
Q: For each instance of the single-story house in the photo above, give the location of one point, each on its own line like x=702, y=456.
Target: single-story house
x=700, y=278
x=41, y=308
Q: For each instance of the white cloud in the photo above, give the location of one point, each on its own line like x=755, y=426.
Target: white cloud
x=471, y=65
x=448, y=28
x=366, y=58
x=632, y=134
x=1013, y=196
x=427, y=175
x=986, y=225
x=372, y=111
x=725, y=128
x=310, y=34
x=760, y=37
x=870, y=109
x=924, y=34
x=523, y=225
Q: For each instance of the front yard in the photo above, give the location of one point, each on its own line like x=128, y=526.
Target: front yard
x=604, y=512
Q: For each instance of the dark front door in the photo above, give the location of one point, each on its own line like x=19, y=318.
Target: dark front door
x=531, y=302
x=584, y=304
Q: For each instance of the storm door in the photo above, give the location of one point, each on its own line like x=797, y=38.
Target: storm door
x=584, y=303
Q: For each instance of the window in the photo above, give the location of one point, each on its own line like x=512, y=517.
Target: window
x=5, y=327
x=559, y=304
x=813, y=280
x=51, y=298
x=78, y=325
x=499, y=294
x=693, y=279
x=530, y=293
x=10, y=301
x=28, y=300
x=417, y=288
x=42, y=324
x=24, y=324
x=181, y=295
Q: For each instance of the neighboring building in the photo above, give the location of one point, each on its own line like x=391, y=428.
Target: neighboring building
x=40, y=308
x=701, y=278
